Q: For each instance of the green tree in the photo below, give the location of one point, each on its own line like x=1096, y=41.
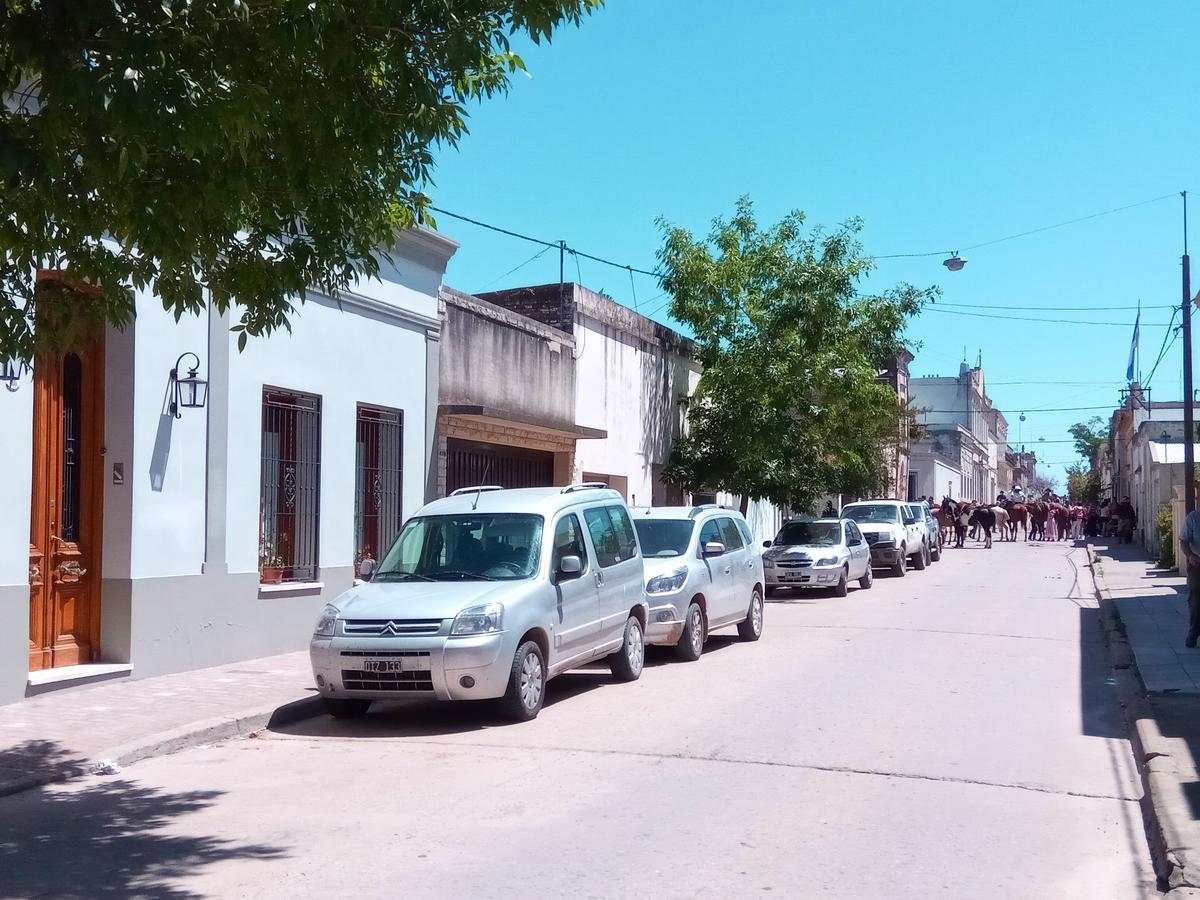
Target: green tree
x=250, y=148
x=1083, y=483
x=1090, y=437
x=789, y=406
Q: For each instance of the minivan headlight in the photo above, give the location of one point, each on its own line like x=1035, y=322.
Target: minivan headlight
x=666, y=584
x=485, y=619
x=326, y=622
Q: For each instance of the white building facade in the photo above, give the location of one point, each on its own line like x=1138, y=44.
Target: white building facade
x=962, y=440
x=147, y=537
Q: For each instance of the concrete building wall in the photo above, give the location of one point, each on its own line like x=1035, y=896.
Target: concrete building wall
x=16, y=446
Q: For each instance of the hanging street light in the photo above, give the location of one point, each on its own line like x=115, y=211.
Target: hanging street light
x=190, y=392
x=955, y=262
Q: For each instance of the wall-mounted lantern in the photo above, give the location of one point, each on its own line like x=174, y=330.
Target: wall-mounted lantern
x=190, y=392
x=10, y=374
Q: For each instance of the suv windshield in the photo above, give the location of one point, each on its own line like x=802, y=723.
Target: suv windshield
x=884, y=513
x=663, y=537
x=466, y=547
x=816, y=534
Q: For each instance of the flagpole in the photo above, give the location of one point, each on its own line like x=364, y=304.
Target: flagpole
x=1189, y=424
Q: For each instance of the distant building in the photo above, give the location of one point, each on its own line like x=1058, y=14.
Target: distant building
x=894, y=373
x=963, y=437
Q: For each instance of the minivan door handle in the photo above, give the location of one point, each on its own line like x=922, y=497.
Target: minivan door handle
x=728, y=569
x=599, y=577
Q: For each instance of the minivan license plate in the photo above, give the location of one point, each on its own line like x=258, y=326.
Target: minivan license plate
x=384, y=665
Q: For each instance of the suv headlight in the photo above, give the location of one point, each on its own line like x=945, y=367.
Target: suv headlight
x=326, y=622
x=827, y=561
x=486, y=619
x=666, y=584
x=886, y=541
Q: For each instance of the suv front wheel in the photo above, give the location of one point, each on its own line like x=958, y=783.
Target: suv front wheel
x=900, y=567
x=526, y=684
x=626, y=664
x=919, y=557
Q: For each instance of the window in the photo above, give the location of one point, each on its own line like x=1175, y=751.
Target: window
x=466, y=547
x=664, y=537
x=291, y=486
x=732, y=537
x=378, y=480
x=568, y=541
x=807, y=534
x=744, y=528
x=612, y=534
x=710, y=533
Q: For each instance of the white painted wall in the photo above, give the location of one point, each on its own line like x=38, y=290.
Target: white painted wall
x=16, y=449
x=346, y=356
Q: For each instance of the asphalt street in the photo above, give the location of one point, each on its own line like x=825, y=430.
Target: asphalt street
x=954, y=733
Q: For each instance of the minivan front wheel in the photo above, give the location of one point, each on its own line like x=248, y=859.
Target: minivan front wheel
x=526, y=683
x=626, y=664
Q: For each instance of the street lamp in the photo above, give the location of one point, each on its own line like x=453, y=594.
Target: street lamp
x=955, y=262
x=190, y=392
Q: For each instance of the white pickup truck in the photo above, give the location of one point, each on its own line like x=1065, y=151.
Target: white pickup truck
x=894, y=534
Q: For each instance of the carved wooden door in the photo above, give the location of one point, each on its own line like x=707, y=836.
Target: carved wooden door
x=67, y=508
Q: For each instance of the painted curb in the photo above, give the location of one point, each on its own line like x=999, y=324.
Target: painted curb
x=1168, y=823
x=194, y=734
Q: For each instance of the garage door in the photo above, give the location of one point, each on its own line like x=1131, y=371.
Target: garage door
x=469, y=463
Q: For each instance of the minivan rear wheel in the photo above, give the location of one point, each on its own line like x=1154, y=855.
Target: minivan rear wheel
x=346, y=708
x=626, y=664
x=526, y=684
x=691, y=642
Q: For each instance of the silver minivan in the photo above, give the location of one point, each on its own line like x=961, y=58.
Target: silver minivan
x=489, y=593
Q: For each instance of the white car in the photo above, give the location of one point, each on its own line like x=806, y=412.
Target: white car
x=893, y=533
x=827, y=553
x=489, y=593
x=703, y=572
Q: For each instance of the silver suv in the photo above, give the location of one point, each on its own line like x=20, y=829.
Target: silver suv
x=703, y=572
x=489, y=593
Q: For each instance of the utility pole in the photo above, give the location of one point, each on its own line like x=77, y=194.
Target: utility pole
x=1189, y=424
x=562, y=296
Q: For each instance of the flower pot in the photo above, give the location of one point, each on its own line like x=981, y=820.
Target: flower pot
x=270, y=574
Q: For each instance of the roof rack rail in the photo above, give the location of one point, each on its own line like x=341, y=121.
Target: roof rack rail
x=696, y=510
x=585, y=486
x=476, y=489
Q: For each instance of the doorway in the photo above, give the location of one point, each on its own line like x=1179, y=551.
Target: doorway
x=67, y=508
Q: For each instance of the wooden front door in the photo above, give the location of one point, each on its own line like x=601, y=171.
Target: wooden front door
x=68, y=493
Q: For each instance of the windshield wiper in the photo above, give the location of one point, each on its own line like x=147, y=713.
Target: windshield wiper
x=458, y=573
x=388, y=576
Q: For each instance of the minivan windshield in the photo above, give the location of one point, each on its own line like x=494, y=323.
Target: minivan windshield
x=813, y=534
x=664, y=537
x=465, y=547
x=884, y=513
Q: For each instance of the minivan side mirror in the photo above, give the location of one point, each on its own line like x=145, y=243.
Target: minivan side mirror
x=714, y=548
x=366, y=569
x=569, y=567
x=766, y=543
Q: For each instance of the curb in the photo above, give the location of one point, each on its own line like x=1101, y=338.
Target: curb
x=205, y=731
x=1166, y=820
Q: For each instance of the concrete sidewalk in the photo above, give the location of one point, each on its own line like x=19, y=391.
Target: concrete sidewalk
x=1144, y=610
x=63, y=734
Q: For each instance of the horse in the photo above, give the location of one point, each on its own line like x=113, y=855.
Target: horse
x=1038, y=513
x=1018, y=514
x=1062, y=518
x=1001, y=522
x=985, y=518
x=945, y=515
x=962, y=518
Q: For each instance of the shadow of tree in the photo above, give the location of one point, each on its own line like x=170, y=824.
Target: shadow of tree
x=103, y=839
x=43, y=761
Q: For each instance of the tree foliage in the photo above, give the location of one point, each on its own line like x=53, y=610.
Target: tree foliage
x=789, y=405
x=250, y=148
x=1083, y=483
x=1090, y=437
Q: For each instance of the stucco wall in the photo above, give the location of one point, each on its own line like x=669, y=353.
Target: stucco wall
x=493, y=357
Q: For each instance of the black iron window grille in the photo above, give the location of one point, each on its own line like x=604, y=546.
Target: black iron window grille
x=291, y=486
x=378, y=481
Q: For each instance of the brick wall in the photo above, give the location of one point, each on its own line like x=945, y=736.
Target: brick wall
x=550, y=304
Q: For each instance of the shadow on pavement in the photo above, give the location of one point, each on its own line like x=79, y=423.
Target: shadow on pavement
x=1101, y=708
x=40, y=761
x=105, y=839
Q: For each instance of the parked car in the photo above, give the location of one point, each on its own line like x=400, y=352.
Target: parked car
x=933, y=531
x=893, y=533
x=703, y=572
x=489, y=593
x=827, y=553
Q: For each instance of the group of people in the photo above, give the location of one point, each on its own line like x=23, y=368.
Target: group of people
x=1044, y=516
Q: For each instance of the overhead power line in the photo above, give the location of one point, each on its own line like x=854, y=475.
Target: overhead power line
x=975, y=315
x=1021, y=234
x=1090, y=308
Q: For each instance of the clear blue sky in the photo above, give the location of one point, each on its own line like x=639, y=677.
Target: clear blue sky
x=941, y=125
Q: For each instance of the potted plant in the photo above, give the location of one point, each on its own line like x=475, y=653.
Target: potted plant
x=270, y=564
